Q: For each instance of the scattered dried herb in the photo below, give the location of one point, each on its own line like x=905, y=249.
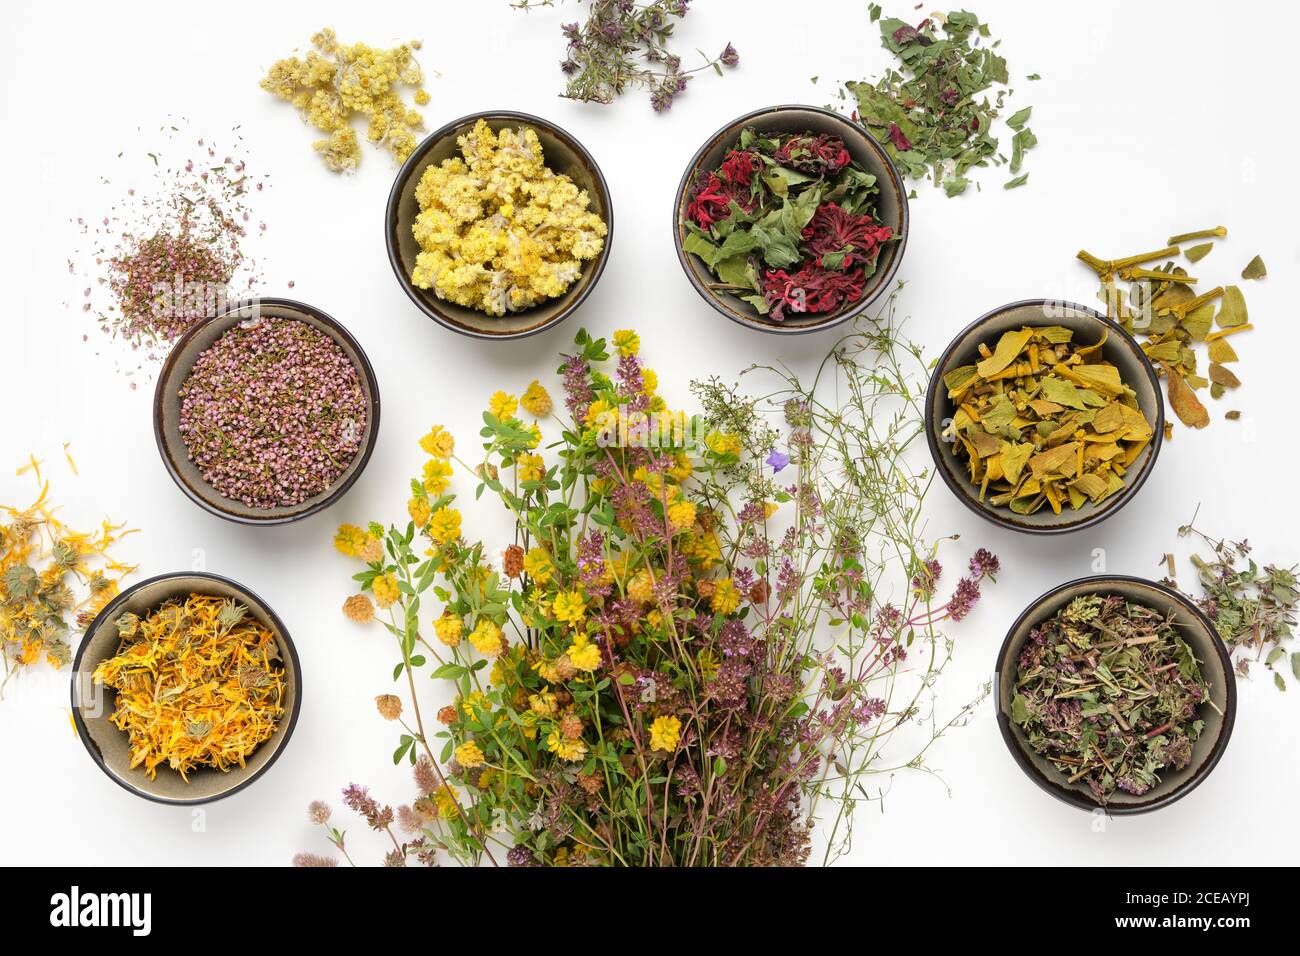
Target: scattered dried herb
x=1162, y=304
x=932, y=113
x=168, y=255
x=787, y=223
x=273, y=412
x=199, y=684
x=1110, y=693
x=53, y=580
x=1253, y=607
x=1041, y=420
x=337, y=81
x=622, y=45
x=1255, y=269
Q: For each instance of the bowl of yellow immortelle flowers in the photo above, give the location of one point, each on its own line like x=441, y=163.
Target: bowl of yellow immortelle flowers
x=498, y=225
x=697, y=642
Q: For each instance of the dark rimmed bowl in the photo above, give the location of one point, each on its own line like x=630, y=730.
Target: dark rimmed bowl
x=92, y=704
x=891, y=211
x=1200, y=636
x=1120, y=349
x=167, y=407
x=563, y=154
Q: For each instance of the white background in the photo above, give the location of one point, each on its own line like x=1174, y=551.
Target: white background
x=1153, y=119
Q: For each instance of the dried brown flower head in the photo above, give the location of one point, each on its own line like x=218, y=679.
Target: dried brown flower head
x=426, y=780
x=447, y=715
x=359, y=608
x=571, y=726
x=513, y=562
x=389, y=706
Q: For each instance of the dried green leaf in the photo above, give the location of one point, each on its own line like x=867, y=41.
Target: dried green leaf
x=1254, y=269
x=1232, y=310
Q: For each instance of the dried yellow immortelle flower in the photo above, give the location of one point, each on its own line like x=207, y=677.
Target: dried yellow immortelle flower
x=336, y=82
x=498, y=230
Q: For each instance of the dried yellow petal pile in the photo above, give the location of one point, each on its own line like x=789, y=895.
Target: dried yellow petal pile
x=1041, y=421
x=199, y=684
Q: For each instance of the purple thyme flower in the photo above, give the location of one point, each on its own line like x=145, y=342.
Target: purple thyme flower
x=964, y=598
x=778, y=460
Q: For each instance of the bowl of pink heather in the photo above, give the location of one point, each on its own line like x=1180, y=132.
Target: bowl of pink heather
x=266, y=413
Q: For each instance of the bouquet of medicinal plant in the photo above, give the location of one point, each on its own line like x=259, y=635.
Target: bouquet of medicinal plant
x=707, y=634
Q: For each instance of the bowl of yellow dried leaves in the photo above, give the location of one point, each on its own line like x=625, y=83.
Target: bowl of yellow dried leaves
x=186, y=688
x=499, y=225
x=1044, y=416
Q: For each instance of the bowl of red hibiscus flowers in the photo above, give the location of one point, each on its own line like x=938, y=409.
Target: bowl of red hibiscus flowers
x=791, y=219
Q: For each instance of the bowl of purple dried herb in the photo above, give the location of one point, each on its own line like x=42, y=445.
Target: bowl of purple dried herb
x=790, y=219
x=1115, y=693
x=267, y=412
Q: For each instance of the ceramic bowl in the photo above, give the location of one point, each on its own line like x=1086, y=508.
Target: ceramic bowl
x=167, y=409
x=1200, y=636
x=1120, y=350
x=92, y=704
x=891, y=211
x=563, y=154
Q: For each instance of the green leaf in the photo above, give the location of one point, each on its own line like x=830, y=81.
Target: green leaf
x=1019, y=119
x=1019, y=709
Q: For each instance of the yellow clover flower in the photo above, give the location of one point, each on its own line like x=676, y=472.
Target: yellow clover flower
x=537, y=400
x=386, y=590
x=569, y=607
x=627, y=342
x=722, y=443
x=564, y=748
x=583, y=655
x=502, y=405
x=487, y=638
x=682, y=515
x=538, y=566
x=436, y=476
x=449, y=628
x=664, y=733
x=469, y=755
x=350, y=540
x=420, y=512
x=439, y=443
x=530, y=467
x=726, y=597
x=444, y=526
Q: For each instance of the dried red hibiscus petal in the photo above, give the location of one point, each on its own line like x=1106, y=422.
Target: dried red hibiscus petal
x=832, y=230
x=711, y=202
x=813, y=154
x=739, y=166
x=811, y=289
x=897, y=137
